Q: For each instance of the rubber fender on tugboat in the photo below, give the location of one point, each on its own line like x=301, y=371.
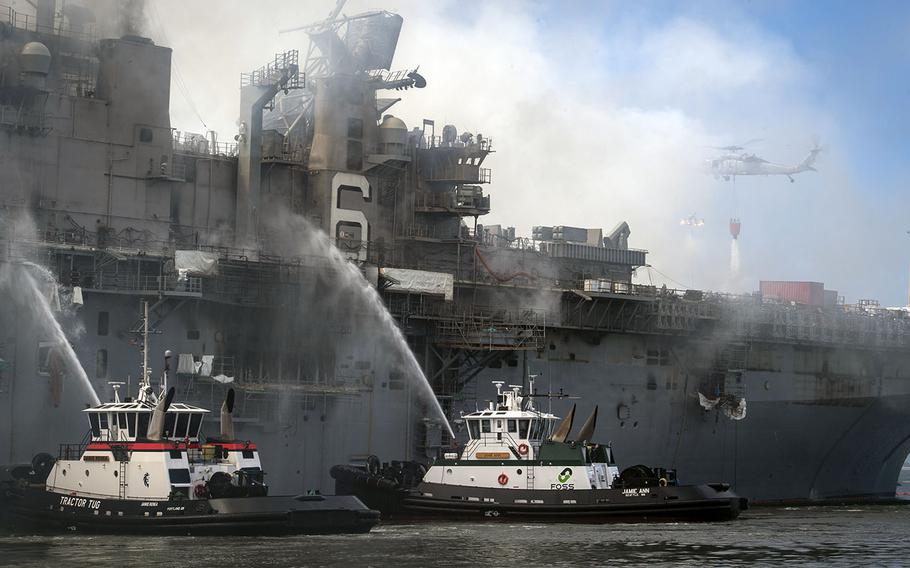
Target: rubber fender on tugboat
x=42, y=464
x=373, y=465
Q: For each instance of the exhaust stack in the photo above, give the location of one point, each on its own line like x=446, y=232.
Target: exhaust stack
x=227, y=423
x=562, y=432
x=587, y=429
x=156, y=424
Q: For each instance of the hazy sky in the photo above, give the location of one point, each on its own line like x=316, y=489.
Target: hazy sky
x=603, y=112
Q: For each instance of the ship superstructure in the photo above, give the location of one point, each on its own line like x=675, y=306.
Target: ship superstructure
x=128, y=208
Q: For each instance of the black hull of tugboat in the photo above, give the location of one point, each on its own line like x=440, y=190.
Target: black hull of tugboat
x=32, y=510
x=709, y=502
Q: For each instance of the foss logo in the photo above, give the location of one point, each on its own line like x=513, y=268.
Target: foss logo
x=563, y=478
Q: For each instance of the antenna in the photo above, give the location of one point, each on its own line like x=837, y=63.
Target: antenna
x=116, y=386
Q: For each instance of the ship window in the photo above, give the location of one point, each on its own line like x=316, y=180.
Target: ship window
x=513, y=426
x=176, y=454
x=101, y=364
x=179, y=475
x=131, y=424
x=182, y=422
x=499, y=425
x=474, y=427
x=195, y=422
x=121, y=420
x=355, y=128
x=143, y=426
x=102, y=420
x=103, y=322
x=355, y=155
x=93, y=422
x=248, y=454
x=523, y=426
x=169, y=420
x=485, y=426
x=145, y=135
x=192, y=334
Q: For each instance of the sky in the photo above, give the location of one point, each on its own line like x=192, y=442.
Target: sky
x=605, y=112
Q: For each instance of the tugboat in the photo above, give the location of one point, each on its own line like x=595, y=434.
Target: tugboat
x=519, y=464
x=145, y=467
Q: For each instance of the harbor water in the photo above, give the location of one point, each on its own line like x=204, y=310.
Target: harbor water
x=765, y=536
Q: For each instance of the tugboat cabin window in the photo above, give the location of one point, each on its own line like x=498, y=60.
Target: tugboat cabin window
x=499, y=425
x=485, y=426
x=131, y=424
x=195, y=423
x=182, y=422
x=121, y=421
x=179, y=475
x=102, y=420
x=474, y=428
x=169, y=419
x=144, y=418
x=523, y=427
x=93, y=422
x=513, y=426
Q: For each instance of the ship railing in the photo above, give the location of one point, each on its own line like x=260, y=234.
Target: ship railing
x=197, y=144
x=434, y=142
x=71, y=452
x=29, y=22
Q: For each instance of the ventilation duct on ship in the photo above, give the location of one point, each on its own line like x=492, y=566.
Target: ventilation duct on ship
x=227, y=422
x=587, y=429
x=562, y=432
x=156, y=425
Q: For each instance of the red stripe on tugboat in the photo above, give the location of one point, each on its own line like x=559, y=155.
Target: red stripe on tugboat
x=167, y=446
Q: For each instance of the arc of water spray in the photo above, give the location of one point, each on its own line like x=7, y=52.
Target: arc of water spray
x=41, y=308
x=414, y=371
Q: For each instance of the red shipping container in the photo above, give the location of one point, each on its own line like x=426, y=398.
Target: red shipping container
x=806, y=293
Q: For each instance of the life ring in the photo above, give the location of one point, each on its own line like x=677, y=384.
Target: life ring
x=503, y=479
x=523, y=449
x=662, y=481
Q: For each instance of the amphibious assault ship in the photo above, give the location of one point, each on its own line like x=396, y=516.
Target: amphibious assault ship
x=786, y=401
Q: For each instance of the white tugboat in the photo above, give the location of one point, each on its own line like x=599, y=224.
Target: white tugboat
x=519, y=462
x=145, y=467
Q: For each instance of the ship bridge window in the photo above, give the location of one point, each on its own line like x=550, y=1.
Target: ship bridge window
x=485, y=426
x=131, y=424
x=143, y=426
x=195, y=423
x=474, y=429
x=523, y=426
x=121, y=421
x=513, y=426
x=93, y=422
x=102, y=420
x=183, y=420
x=169, y=419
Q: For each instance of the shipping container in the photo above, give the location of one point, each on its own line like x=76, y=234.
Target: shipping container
x=541, y=233
x=806, y=293
x=595, y=237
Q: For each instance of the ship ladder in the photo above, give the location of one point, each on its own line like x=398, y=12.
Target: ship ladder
x=122, y=477
x=530, y=477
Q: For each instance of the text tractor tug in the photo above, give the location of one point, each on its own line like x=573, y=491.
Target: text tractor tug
x=518, y=463
x=144, y=468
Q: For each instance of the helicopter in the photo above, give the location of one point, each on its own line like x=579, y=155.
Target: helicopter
x=736, y=162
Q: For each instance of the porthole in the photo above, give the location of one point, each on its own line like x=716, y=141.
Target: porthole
x=449, y=471
x=635, y=424
x=518, y=471
x=115, y=474
x=622, y=424
x=64, y=472
x=86, y=473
